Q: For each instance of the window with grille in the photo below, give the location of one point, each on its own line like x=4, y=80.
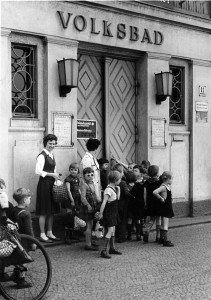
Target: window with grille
x=23, y=66
x=176, y=101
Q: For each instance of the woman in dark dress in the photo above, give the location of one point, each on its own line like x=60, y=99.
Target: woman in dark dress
x=45, y=207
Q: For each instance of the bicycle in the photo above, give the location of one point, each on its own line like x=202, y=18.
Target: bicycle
x=38, y=272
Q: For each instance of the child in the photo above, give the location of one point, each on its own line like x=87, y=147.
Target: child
x=130, y=183
x=23, y=217
x=109, y=213
x=4, y=202
x=73, y=205
x=90, y=202
x=163, y=193
x=104, y=164
x=125, y=197
x=152, y=205
x=138, y=208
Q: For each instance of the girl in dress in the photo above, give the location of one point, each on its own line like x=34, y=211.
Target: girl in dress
x=163, y=193
x=109, y=213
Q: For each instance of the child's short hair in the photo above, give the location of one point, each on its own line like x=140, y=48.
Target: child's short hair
x=131, y=177
x=166, y=175
x=74, y=166
x=2, y=183
x=141, y=170
x=153, y=170
x=113, y=176
x=87, y=170
x=145, y=163
x=20, y=194
x=102, y=161
x=118, y=167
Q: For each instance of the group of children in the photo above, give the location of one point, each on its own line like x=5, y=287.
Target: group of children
x=132, y=197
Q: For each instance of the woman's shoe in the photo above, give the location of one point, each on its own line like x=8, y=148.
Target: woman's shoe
x=45, y=241
x=54, y=239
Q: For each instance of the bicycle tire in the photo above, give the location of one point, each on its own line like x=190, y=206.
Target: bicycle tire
x=39, y=274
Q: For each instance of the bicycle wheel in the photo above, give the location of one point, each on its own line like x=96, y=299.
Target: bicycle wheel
x=38, y=273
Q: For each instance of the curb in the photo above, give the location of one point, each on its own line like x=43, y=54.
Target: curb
x=62, y=242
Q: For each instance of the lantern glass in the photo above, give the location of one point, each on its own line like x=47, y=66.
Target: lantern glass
x=62, y=73
x=159, y=83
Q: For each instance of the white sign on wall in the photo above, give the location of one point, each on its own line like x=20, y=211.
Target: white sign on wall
x=201, y=106
x=158, y=133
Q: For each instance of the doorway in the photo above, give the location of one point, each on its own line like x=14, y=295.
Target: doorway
x=115, y=111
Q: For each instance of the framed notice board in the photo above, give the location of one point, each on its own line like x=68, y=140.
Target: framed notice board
x=158, y=133
x=62, y=127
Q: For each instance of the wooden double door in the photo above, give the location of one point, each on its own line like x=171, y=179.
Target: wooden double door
x=106, y=93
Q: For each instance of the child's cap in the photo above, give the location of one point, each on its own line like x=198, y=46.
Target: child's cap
x=166, y=175
x=102, y=161
x=153, y=170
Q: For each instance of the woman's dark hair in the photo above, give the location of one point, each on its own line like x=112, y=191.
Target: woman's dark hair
x=92, y=144
x=49, y=137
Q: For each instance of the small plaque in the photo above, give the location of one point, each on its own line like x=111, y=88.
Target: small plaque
x=86, y=129
x=201, y=106
x=158, y=133
x=62, y=128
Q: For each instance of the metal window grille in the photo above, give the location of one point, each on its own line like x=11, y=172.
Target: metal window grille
x=23, y=66
x=176, y=101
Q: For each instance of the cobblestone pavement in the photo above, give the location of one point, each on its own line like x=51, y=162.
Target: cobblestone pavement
x=142, y=272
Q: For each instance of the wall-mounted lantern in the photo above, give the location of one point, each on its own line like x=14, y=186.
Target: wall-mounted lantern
x=164, y=81
x=68, y=75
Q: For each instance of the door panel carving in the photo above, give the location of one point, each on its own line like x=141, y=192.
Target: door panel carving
x=90, y=101
x=122, y=110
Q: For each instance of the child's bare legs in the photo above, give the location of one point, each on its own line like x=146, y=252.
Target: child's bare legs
x=158, y=226
x=129, y=229
x=105, y=250
x=147, y=227
x=113, y=250
x=88, y=235
x=164, y=233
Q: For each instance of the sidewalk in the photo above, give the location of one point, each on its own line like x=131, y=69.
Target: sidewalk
x=174, y=223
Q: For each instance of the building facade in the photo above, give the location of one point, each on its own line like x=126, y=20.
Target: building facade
x=121, y=45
